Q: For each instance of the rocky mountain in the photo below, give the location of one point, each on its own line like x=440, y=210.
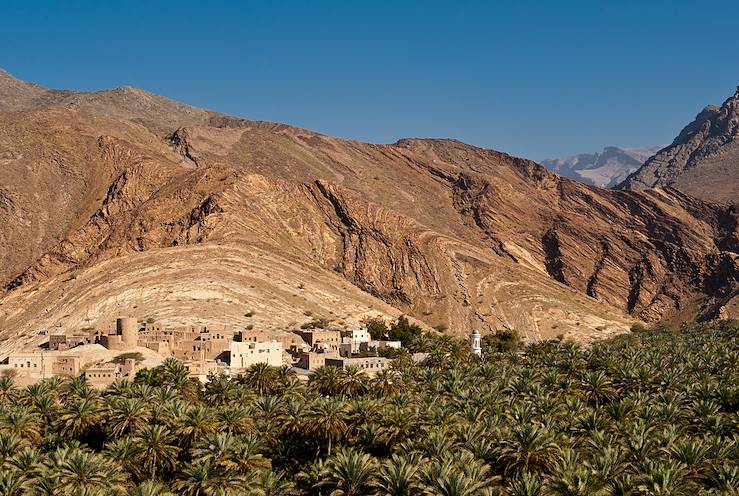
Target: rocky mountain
x=190, y=216
x=702, y=161
x=157, y=113
x=606, y=168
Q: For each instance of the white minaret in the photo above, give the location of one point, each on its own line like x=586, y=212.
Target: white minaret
x=475, y=343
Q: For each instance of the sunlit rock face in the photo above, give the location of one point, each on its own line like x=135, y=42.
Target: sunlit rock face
x=703, y=161
x=123, y=200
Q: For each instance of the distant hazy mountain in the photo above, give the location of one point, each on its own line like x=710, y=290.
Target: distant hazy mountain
x=703, y=161
x=605, y=168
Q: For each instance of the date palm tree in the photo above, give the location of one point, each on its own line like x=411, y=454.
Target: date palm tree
x=261, y=377
x=127, y=416
x=387, y=382
x=217, y=449
x=8, y=392
x=198, y=479
x=23, y=422
x=723, y=477
x=597, y=387
x=576, y=482
x=80, y=417
x=662, y=479
x=455, y=476
x=348, y=473
x=327, y=380
x=13, y=483
x=47, y=406
x=525, y=484
x=194, y=423
x=77, y=470
x=270, y=483
x=10, y=444
x=219, y=390
x=125, y=451
x=234, y=419
x=156, y=450
x=352, y=381
x=529, y=448
x=250, y=454
x=328, y=418
x=398, y=476
x=295, y=417
x=29, y=462
x=151, y=488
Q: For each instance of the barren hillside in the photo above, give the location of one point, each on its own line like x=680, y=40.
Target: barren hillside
x=107, y=210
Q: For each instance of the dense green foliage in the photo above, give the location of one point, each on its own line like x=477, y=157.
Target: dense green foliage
x=650, y=413
x=401, y=330
x=502, y=341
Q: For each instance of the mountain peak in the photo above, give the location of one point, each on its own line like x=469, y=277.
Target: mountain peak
x=129, y=90
x=702, y=161
x=604, y=168
x=7, y=78
x=157, y=113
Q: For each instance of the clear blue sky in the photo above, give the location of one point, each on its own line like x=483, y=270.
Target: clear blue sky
x=532, y=78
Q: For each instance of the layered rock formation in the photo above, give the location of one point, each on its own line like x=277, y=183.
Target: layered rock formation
x=606, y=168
x=702, y=161
x=207, y=221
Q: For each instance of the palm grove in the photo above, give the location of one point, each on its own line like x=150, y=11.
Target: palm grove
x=650, y=413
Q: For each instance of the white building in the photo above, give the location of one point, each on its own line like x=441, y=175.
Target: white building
x=243, y=355
x=379, y=345
x=351, y=342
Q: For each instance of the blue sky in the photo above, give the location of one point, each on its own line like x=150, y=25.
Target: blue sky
x=532, y=78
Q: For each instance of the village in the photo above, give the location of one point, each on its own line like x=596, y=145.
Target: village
x=117, y=353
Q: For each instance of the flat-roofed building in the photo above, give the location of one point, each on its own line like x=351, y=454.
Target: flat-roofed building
x=57, y=341
x=35, y=363
x=370, y=365
x=380, y=345
x=311, y=360
x=104, y=374
x=290, y=341
x=66, y=366
x=34, y=366
x=202, y=369
x=321, y=339
x=352, y=341
x=243, y=355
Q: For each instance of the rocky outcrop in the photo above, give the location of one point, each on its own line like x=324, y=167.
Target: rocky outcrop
x=702, y=161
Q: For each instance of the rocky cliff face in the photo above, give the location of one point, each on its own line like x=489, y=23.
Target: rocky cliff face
x=702, y=161
x=204, y=222
x=606, y=168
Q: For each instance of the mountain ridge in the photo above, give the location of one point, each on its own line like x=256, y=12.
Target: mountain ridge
x=605, y=168
x=703, y=160
x=201, y=222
